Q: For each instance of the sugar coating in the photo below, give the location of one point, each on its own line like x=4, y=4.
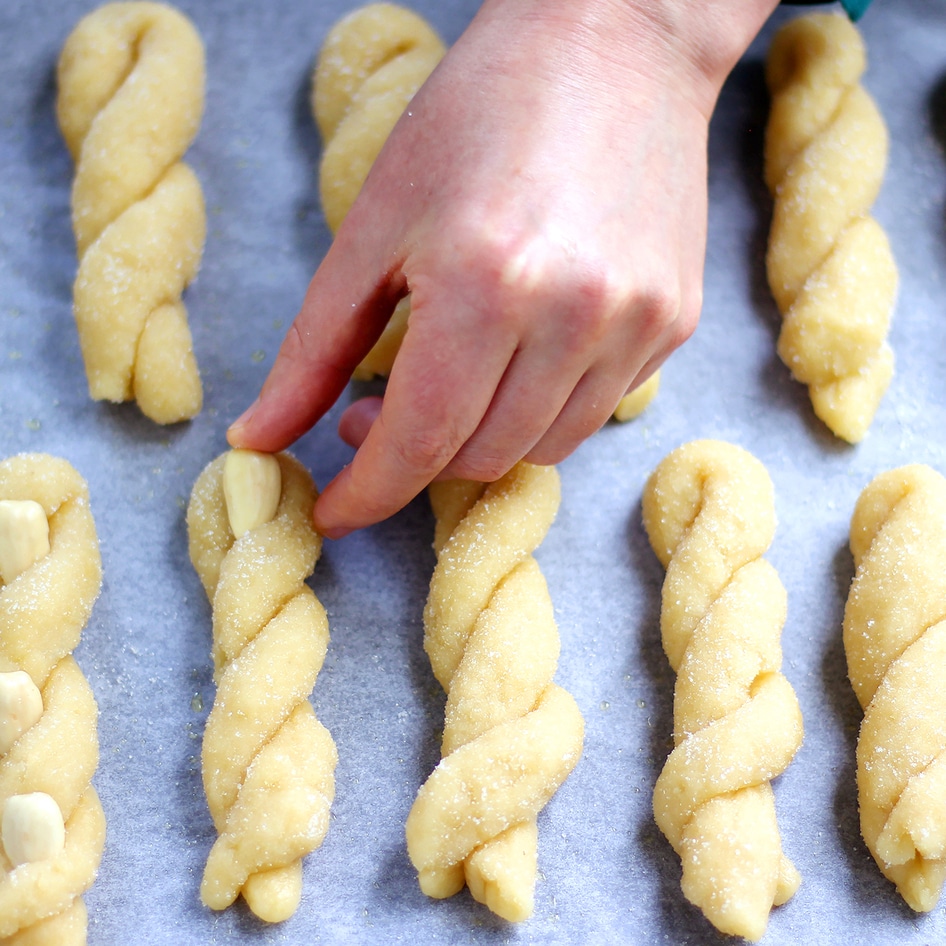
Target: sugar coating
x=511, y=736
x=369, y=68
x=710, y=515
x=42, y=613
x=130, y=98
x=829, y=263
x=895, y=642
x=268, y=763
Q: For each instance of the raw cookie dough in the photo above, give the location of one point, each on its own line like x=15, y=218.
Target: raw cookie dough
x=635, y=403
x=42, y=613
x=895, y=642
x=268, y=763
x=131, y=94
x=710, y=515
x=511, y=736
x=829, y=263
x=369, y=68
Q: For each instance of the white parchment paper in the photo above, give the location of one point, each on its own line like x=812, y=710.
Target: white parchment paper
x=607, y=875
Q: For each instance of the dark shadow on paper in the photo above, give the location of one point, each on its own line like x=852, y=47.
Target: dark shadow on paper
x=937, y=113
x=311, y=232
x=749, y=78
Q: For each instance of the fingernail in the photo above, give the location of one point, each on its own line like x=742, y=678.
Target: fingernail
x=237, y=426
x=333, y=533
x=328, y=530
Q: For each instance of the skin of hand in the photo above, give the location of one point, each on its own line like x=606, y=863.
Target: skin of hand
x=543, y=200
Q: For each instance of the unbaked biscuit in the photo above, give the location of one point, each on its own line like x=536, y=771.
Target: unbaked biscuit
x=511, y=736
x=710, y=515
x=268, y=763
x=54, y=753
x=829, y=262
x=130, y=98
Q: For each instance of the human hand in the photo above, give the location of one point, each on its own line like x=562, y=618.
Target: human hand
x=543, y=201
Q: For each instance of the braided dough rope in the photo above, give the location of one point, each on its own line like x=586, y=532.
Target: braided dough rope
x=42, y=613
x=131, y=91
x=511, y=736
x=709, y=513
x=895, y=642
x=369, y=68
x=829, y=263
x=268, y=763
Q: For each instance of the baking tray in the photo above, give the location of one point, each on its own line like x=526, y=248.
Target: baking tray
x=606, y=873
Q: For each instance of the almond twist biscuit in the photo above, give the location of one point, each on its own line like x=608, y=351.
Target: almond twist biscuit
x=829, y=263
x=268, y=763
x=895, y=642
x=43, y=609
x=511, y=736
x=131, y=92
x=369, y=68
x=709, y=513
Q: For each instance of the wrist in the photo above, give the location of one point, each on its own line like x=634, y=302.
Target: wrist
x=693, y=45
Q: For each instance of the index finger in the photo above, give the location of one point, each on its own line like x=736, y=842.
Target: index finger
x=343, y=313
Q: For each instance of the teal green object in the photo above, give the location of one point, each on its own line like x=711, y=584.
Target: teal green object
x=855, y=8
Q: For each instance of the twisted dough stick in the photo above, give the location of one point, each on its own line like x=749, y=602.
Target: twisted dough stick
x=42, y=613
x=829, y=263
x=709, y=513
x=131, y=91
x=895, y=641
x=370, y=66
x=511, y=736
x=268, y=762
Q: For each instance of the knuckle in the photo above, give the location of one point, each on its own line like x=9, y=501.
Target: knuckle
x=599, y=301
x=550, y=453
x=593, y=301
x=658, y=307
x=424, y=449
x=481, y=467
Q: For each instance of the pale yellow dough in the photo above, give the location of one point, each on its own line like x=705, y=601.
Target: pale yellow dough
x=511, y=736
x=710, y=515
x=369, y=68
x=268, y=763
x=635, y=403
x=895, y=641
x=829, y=263
x=131, y=94
x=42, y=614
